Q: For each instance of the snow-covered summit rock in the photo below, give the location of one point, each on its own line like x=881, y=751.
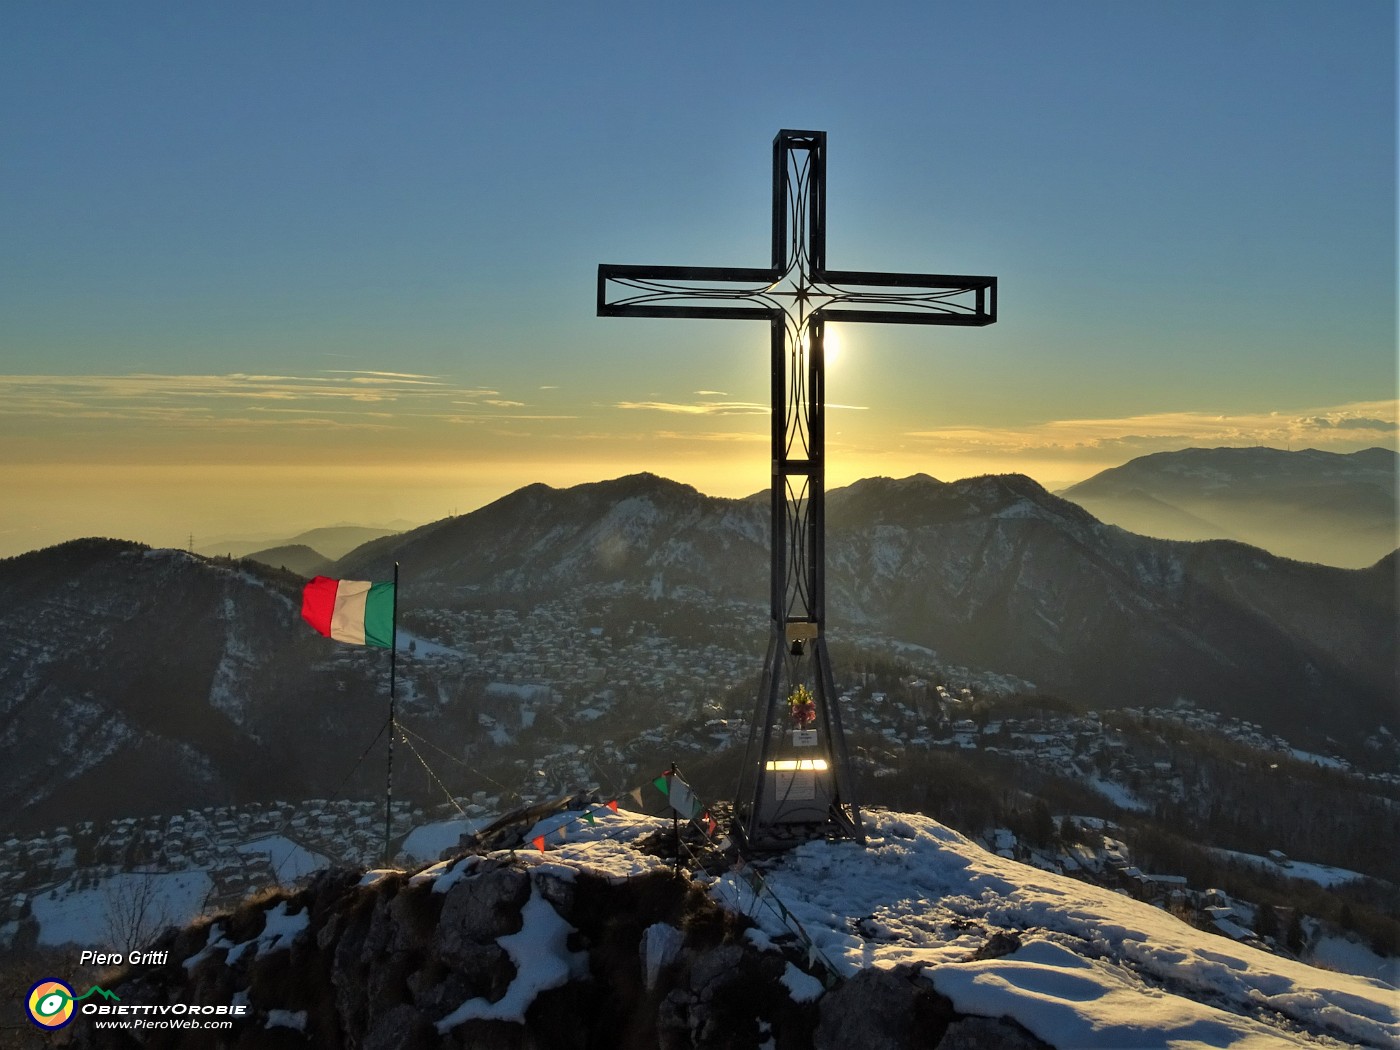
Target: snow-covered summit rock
x=1088, y=967
x=922, y=938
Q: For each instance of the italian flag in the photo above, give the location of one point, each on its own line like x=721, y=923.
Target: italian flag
x=355, y=611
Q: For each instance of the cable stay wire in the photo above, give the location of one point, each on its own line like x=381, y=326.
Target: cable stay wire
x=433, y=776
x=453, y=758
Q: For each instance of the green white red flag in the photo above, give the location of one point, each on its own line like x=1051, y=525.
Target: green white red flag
x=682, y=799
x=356, y=611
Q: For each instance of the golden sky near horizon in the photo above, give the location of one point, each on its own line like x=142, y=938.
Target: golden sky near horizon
x=160, y=457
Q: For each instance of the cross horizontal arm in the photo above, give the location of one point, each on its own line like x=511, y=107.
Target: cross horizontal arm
x=916, y=298
x=645, y=291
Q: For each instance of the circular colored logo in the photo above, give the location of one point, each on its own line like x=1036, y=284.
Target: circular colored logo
x=50, y=1004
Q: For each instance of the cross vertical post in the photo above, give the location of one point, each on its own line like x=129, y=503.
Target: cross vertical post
x=797, y=780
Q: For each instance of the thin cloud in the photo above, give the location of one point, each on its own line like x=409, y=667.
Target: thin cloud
x=1348, y=423
x=494, y=417
x=477, y=397
x=703, y=408
x=407, y=376
x=1343, y=426
x=728, y=436
x=220, y=400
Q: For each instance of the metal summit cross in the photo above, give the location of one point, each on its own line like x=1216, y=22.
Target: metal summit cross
x=797, y=780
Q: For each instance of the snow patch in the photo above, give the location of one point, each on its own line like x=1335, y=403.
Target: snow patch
x=542, y=960
x=279, y=929
x=1349, y=956
x=427, y=841
x=1117, y=794
x=802, y=986
x=661, y=943
x=289, y=860
x=1322, y=874
x=295, y=1020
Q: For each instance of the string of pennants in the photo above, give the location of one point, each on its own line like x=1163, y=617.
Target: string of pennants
x=589, y=816
x=685, y=803
x=678, y=793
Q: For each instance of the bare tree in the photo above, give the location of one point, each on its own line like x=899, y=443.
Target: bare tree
x=135, y=913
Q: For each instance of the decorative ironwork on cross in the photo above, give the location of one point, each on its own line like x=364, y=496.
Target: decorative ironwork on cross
x=798, y=785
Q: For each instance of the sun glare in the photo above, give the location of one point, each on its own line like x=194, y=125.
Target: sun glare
x=831, y=344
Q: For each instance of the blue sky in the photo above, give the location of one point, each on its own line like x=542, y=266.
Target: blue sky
x=270, y=265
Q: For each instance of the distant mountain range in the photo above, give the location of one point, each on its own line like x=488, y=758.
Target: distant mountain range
x=992, y=572
x=1313, y=506
x=294, y=557
x=135, y=675
x=330, y=542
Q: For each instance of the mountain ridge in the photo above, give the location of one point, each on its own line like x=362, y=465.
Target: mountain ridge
x=144, y=669
x=1334, y=508
x=992, y=571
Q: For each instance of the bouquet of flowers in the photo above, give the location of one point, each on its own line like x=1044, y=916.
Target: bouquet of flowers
x=802, y=708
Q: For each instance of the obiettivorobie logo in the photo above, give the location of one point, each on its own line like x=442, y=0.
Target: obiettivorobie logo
x=50, y=1002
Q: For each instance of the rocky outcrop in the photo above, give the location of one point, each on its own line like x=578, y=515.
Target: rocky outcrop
x=496, y=953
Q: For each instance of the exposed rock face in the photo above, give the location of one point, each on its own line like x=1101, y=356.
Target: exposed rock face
x=489, y=953
x=882, y=1010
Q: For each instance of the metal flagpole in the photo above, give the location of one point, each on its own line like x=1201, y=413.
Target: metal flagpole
x=675, y=819
x=393, y=723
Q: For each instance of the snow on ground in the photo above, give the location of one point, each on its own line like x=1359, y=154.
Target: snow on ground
x=422, y=646
x=286, y=1019
x=1321, y=874
x=1349, y=956
x=1094, y=969
x=427, y=841
x=1326, y=761
x=289, y=860
x=1116, y=793
x=280, y=928
x=82, y=916
x=602, y=848
x=802, y=986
